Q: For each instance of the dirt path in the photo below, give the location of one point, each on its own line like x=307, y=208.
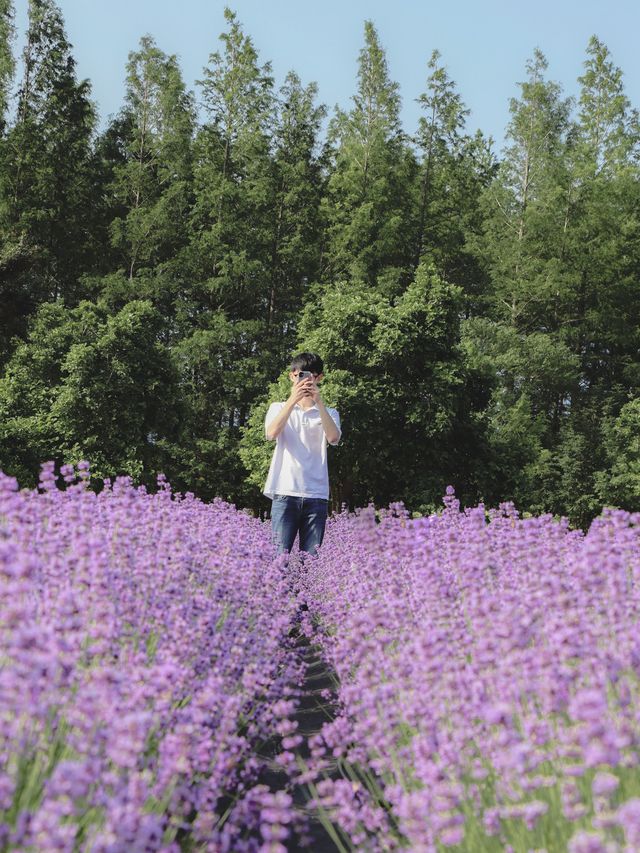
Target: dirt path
x=313, y=711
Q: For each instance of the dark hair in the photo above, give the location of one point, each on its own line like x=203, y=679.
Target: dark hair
x=307, y=361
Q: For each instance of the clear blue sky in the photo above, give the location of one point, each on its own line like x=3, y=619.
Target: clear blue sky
x=484, y=45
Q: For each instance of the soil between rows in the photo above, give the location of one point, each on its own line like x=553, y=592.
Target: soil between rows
x=313, y=711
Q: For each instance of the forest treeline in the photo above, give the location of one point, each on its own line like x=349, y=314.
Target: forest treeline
x=477, y=313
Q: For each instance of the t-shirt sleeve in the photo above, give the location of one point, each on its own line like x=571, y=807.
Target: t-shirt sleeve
x=336, y=419
x=274, y=408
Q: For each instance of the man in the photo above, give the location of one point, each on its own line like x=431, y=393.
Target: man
x=298, y=479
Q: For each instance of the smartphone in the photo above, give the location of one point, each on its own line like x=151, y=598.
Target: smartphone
x=304, y=374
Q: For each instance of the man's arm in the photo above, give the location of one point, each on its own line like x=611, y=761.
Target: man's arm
x=275, y=426
x=328, y=424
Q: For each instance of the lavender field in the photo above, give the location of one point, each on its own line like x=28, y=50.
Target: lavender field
x=484, y=678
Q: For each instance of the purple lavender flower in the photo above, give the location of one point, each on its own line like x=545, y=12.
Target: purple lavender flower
x=604, y=784
x=628, y=816
x=587, y=842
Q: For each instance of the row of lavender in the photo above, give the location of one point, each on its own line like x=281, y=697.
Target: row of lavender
x=143, y=661
x=489, y=681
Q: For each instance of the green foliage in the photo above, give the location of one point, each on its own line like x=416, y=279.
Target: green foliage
x=523, y=206
x=529, y=380
x=368, y=203
x=87, y=384
x=46, y=174
x=561, y=479
x=454, y=170
x=608, y=138
x=220, y=376
x=619, y=484
x=296, y=229
x=234, y=187
x=152, y=183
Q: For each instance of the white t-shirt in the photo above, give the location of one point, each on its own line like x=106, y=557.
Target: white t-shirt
x=299, y=461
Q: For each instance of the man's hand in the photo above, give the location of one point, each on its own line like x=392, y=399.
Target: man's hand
x=300, y=390
x=315, y=394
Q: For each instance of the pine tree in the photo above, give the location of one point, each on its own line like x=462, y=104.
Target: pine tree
x=45, y=175
x=454, y=169
x=152, y=178
x=524, y=206
x=236, y=263
x=608, y=126
x=439, y=140
x=12, y=309
x=296, y=222
x=234, y=185
x=601, y=224
x=530, y=373
x=46, y=190
x=369, y=206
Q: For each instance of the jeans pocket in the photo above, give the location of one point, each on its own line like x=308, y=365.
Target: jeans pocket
x=280, y=497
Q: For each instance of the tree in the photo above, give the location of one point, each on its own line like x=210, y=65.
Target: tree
x=152, y=179
x=528, y=380
x=369, y=206
x=607, y=124
x=221, y=374
x=234, y=187
x=87, y=384
x=255, y=245
x=299, y=184
x=46, y=179
x=619, y=483
x=601, y=248
x=598, y=263
x=454, y=169
x=525, y=205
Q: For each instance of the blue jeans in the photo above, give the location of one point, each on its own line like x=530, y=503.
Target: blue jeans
x=291, y=515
